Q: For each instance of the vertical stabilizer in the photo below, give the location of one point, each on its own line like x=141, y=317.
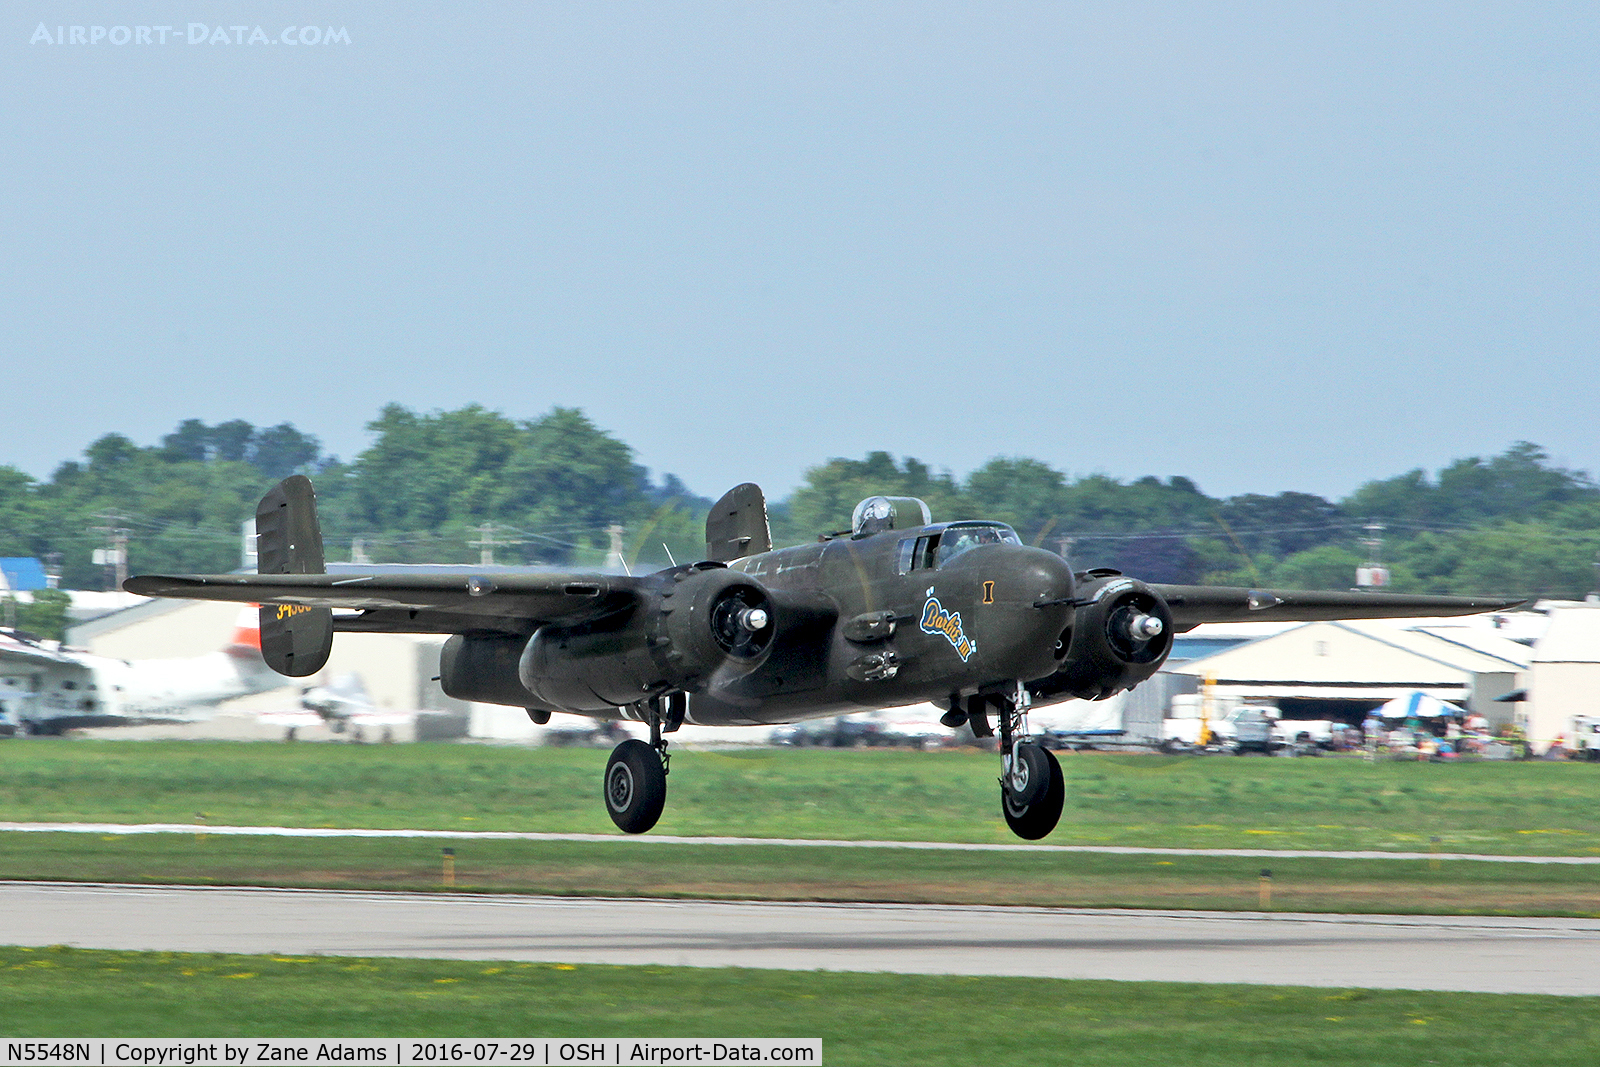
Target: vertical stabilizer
x=295, y=639
x=737, y=526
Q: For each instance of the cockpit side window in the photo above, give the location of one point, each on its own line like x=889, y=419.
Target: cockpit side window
x=907, y=555
x=927, y=551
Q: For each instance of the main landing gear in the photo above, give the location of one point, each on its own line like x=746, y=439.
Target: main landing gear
x=1032, y=789
x=636, y=773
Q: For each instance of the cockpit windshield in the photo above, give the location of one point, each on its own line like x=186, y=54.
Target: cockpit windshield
x=959, y=537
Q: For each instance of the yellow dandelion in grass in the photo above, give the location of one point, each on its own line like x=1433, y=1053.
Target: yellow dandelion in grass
x=565, y=967
x=359, y=967
x=188, y=972
x=492, y=970
x=1420, y=1022
x=241, y=974
x=1336, y=1018
x=446, y=981
x=1163, y=863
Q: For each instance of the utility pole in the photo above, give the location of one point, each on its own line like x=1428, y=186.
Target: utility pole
x=114, y=556
x=486, y=544
x=614, y=557
x=1373, y=574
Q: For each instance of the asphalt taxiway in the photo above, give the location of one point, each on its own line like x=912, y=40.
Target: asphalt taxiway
x=1468, y=953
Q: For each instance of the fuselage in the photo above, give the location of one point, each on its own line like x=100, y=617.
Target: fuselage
x=89, y=690
x=915, y=615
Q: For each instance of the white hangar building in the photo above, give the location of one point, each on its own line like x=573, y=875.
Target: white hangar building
x=1340, y=670
x=1564, y=677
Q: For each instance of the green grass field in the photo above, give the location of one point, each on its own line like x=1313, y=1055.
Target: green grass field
x=1504, y=808
x=861, y=1018
x=642, y=868
x=1510, y=809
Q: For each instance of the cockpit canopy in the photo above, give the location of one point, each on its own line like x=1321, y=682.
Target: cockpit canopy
x=879, y=513
x=938, y=545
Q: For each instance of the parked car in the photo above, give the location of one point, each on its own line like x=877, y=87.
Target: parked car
x=1252, y=732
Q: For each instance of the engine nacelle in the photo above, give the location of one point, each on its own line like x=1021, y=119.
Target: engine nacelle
x=700, y=623
x=1121, y=635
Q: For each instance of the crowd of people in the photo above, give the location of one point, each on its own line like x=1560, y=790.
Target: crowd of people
x=1446, y=737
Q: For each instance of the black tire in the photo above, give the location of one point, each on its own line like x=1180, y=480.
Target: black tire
x=1033, y=769
x=635, y=786
x=1036, y=820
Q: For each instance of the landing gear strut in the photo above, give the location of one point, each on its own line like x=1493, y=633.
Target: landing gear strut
x=636, y=773
x=1031, y=786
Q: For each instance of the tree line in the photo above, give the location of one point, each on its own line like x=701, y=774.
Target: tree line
x=456, y=486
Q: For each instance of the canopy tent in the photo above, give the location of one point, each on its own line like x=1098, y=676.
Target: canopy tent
x=1419, y=705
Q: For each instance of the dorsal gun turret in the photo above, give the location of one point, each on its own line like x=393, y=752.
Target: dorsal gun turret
x=879, y=513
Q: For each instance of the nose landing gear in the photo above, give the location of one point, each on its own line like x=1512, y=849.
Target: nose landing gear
x=1032, y=790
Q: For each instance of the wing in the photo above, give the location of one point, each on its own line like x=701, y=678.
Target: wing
x=416, y=603
x=24, y=653
x=1194, y=604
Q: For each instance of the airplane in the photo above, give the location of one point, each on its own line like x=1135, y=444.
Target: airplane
x=48, y=690
x=897, y=610
x=343, y=705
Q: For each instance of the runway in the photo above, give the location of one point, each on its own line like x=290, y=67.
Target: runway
x=1480, y=954
x=646, y=840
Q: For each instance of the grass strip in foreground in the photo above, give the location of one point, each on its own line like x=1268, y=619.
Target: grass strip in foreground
x=862, y=1018
x=775, y=872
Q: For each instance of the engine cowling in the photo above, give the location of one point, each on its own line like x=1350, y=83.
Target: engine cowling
x=1121, y=635
x=698, y=625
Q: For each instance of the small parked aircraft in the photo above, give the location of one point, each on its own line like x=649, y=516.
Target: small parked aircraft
x=46, y=690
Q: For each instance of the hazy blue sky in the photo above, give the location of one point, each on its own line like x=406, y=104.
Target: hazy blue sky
x=1274, y=246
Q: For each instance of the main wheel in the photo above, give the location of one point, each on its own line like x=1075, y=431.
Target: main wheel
x=1033, y=821
x=635, y=786
x=1030, y=775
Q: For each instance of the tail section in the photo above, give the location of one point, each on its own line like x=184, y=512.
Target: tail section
x=295, y=638
x=737, y=525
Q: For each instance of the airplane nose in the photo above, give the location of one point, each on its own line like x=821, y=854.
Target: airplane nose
x=1049, y=577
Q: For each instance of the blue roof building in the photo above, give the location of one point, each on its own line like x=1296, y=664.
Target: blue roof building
x=22, y=573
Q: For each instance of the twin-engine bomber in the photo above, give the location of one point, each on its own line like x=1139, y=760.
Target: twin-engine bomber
x=899, y=610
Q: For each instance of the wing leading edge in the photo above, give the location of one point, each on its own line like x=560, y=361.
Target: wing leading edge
x=1192, y=605
x=415, y=603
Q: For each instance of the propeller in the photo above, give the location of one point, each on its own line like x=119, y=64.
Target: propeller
x=1134, y=632
x=741, y=622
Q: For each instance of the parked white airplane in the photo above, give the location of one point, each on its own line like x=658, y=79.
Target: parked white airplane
x=46, y=689
x=342, y=705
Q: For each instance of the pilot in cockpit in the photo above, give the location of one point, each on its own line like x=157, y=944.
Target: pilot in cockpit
x=960, y=538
